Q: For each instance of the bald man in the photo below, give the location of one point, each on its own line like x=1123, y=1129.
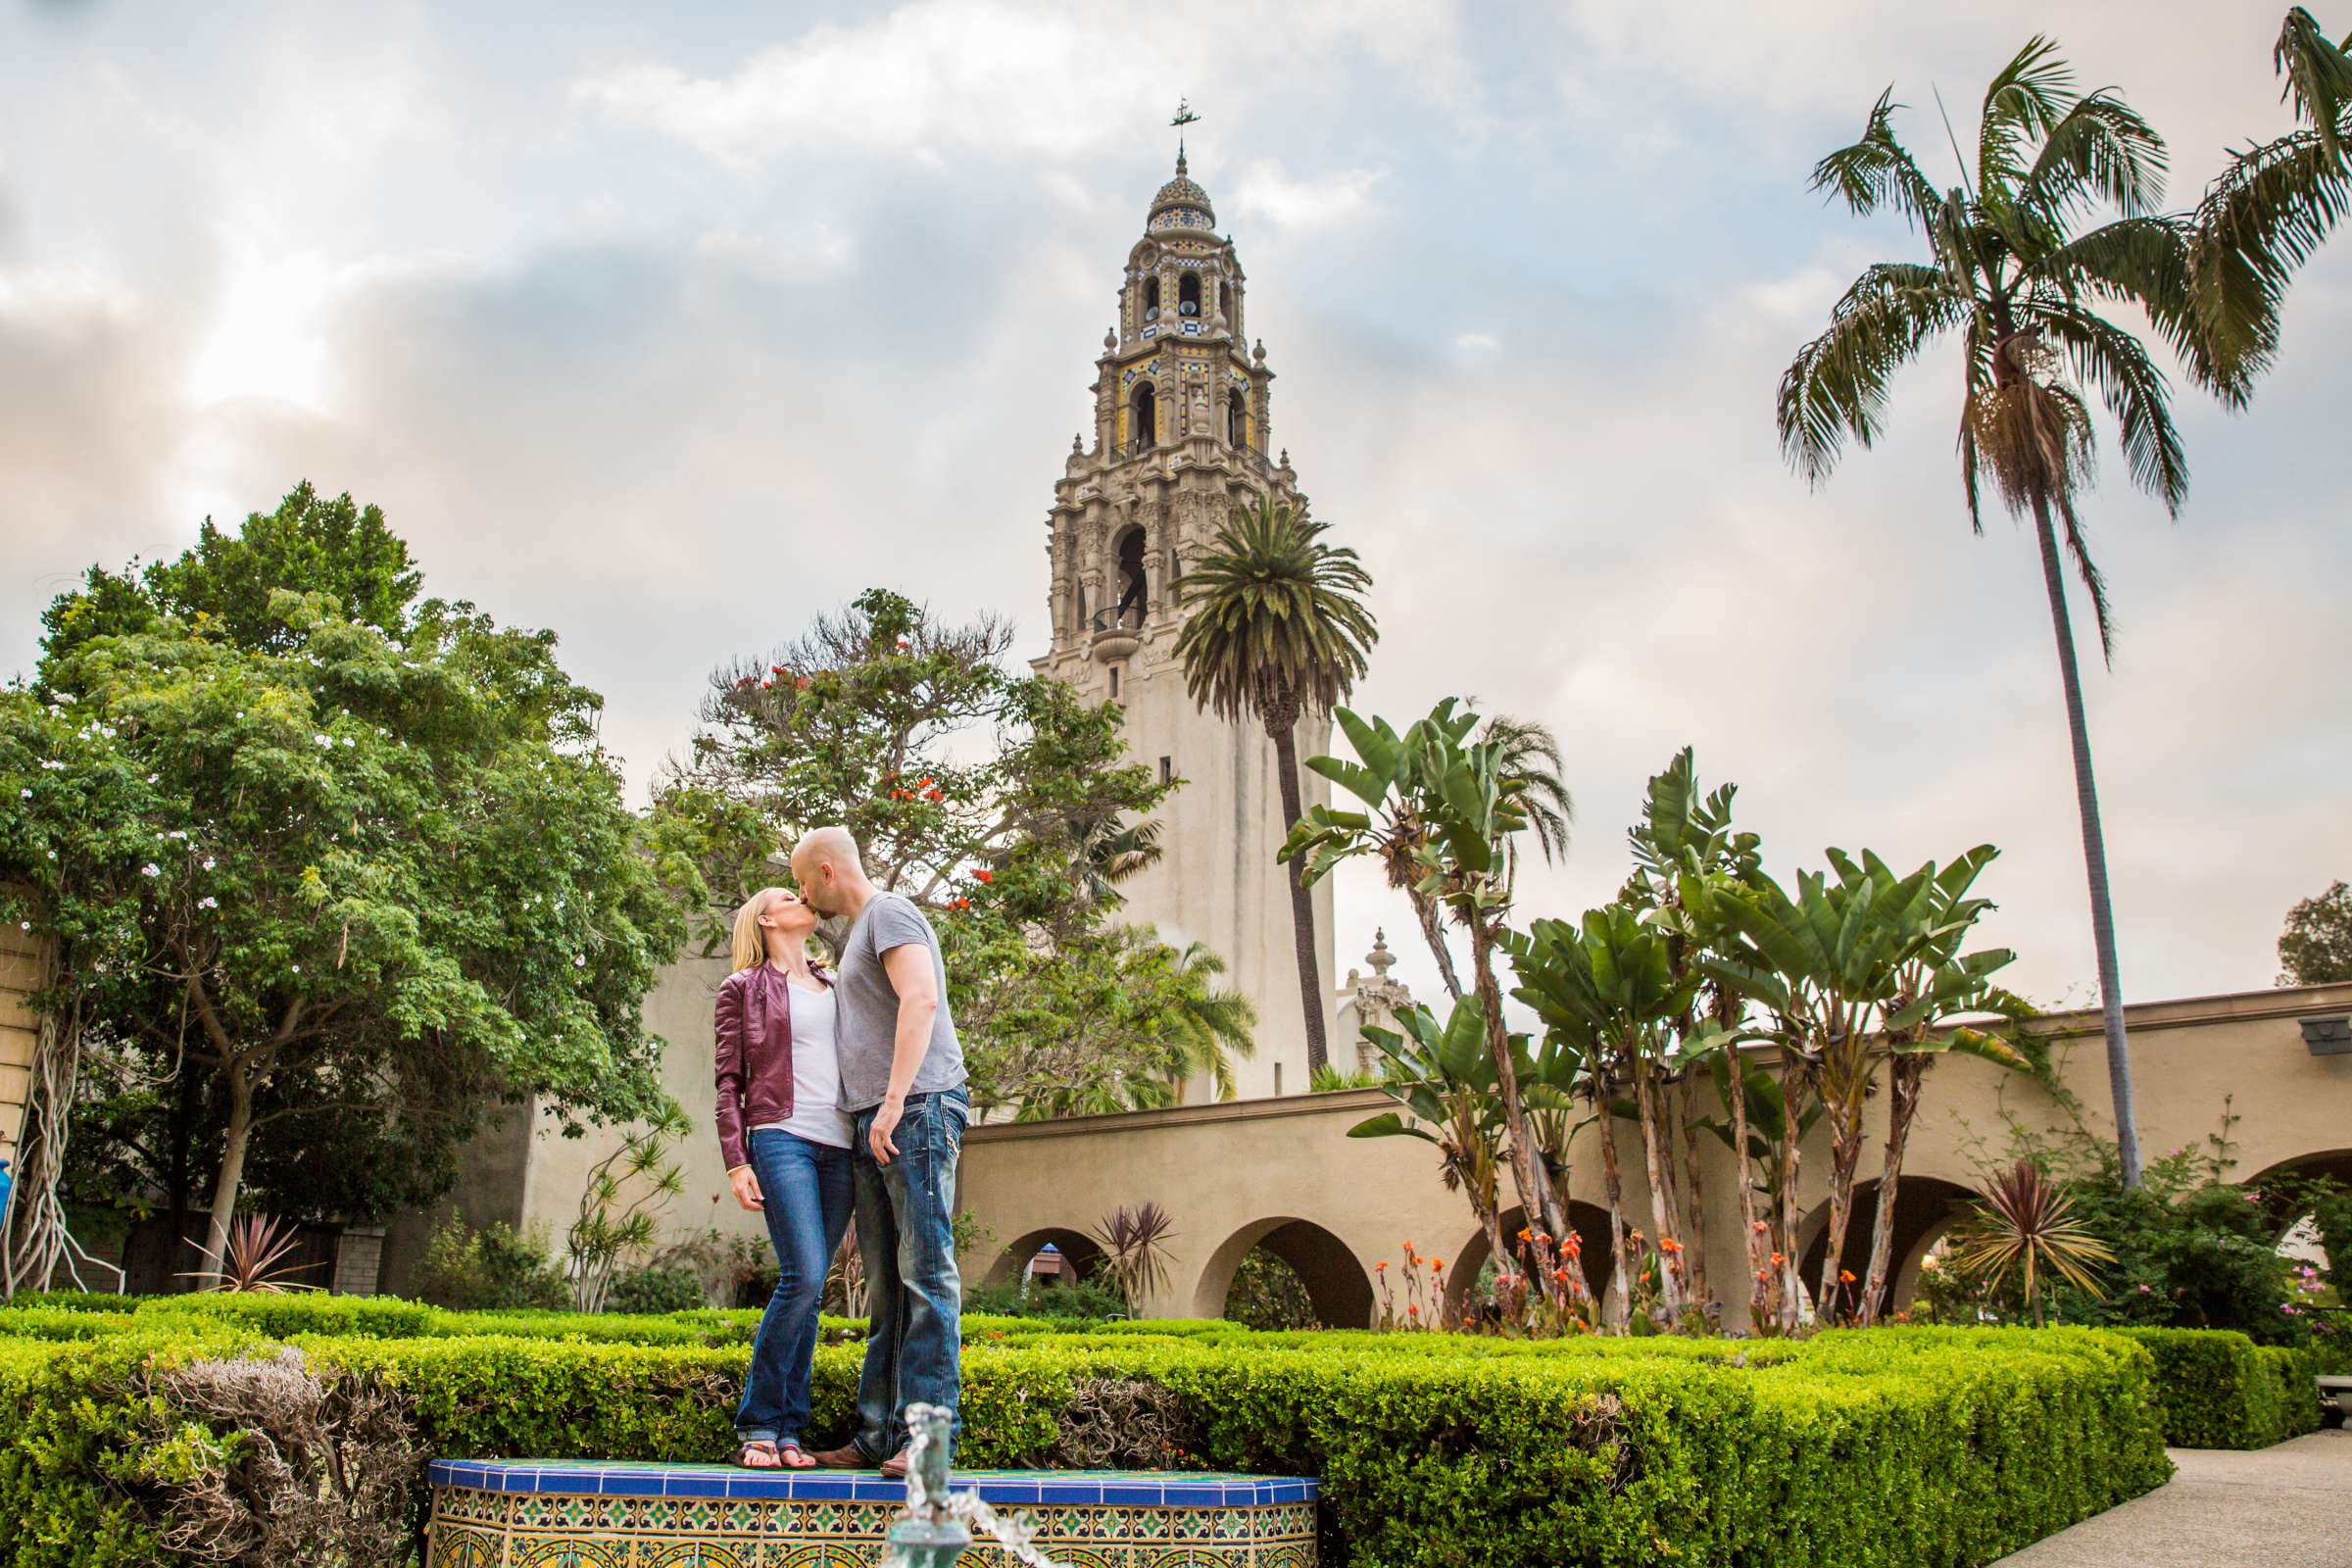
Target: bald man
x=901, y=1082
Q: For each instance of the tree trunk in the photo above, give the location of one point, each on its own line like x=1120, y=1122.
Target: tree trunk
x=1904, y=1079
x=1425, y=909
x=1535, y=1193
x=1790, y=1218
x=232, y=1168
x=1302, y=902
x=1845, y=1154
x=1620, y=1282
x=1694, y=1193
x=1660, y=1172
x=2094, y=854
x=1756, y=1242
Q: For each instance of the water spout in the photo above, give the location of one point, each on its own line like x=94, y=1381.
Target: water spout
x=935, y=1529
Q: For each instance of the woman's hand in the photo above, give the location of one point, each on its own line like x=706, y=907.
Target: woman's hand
x=746, y=1187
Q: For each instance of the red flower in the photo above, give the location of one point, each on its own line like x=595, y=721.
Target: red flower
x=983, y=875
x=1846, y=1276
x=800, y=683
x=1559, y=1276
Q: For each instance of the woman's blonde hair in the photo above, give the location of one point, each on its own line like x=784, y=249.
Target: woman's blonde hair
x=750, y=942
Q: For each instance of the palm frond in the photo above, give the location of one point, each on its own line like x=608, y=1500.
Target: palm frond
x=2259, y=221
x=2137, y=394
x=2317, y=76
x=2024, y=100
x=1836, y=385
x=1529, y=751
x=1877, y=172
x=1277, y=626
x=2099, y=151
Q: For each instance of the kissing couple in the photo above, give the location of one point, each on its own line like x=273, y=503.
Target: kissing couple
x=841, y=1098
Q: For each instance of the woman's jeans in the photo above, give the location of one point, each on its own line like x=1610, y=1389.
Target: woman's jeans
x=804, y=1191
x=906, y=1236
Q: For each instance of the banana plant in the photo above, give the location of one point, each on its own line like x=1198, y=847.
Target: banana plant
x=1607, y=990
x=1945, y=1002
x=1389, y=776
x=1444, y=1078
x=1443, y=806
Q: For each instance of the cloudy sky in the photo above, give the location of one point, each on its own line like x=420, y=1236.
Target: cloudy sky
x=661, y=325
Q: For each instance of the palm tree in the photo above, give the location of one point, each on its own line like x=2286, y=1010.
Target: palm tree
x=2014, y=272
x=1214, y=1021
x=1277, y=630
x=1531, y=753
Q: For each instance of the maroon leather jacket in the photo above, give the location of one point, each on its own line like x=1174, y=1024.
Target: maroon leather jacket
x=752, y=1058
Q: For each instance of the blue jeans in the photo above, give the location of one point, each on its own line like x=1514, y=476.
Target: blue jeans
x=804, y=1191
x=914, y=1300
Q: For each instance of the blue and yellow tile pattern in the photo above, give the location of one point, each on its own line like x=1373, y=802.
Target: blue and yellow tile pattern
x=532, y=1514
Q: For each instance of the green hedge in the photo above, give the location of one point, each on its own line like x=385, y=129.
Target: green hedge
x=2216, y=1389
x=1872, y=1447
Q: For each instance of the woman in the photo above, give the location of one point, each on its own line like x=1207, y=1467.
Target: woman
x=787, y=1148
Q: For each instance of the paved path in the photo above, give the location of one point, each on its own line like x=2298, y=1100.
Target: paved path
x=2285, y=1507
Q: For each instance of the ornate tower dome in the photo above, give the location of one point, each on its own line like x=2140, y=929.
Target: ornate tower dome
x=1182, y=204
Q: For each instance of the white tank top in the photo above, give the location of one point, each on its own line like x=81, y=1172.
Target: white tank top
x=817, y=1112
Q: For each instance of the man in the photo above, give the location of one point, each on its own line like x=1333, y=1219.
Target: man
x=901, y=1082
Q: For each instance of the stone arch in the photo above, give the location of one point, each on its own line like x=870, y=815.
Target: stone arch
x=1592, y=1223
x=2334, y=1164
x=1129, y=563
x=1085, y=1255
x=1925, y=1207
x=1333, y=1277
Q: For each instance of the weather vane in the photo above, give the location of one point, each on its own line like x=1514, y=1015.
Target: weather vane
x=1183, y=117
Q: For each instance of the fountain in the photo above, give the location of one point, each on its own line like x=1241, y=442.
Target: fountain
x=935, y=1528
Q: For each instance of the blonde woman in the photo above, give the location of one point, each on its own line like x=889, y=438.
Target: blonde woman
x=787, y=1148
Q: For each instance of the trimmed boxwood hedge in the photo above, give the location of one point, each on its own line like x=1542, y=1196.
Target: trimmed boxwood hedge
x=2218, y=1389
x=1906, y=1446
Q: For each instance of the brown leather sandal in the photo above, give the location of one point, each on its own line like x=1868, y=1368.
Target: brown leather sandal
x=747, y=1456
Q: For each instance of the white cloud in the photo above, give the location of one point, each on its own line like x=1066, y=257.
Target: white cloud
x=968, y=72
x=1477, y=341
x=1265, y=191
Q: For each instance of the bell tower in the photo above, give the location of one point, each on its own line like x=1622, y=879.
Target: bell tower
x=1181, y=440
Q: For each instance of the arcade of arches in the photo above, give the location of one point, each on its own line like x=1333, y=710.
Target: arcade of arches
x=1283, y=1174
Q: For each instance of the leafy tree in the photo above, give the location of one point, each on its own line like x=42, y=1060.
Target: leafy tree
x=1277, y=630
x=1001, y=803
x=361, y=878
x=2316, y=948
x=2014, y=272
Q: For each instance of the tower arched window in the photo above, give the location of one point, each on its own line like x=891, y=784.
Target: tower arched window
x=1129, y=609
x=1152, y=298
x=1237, y=422
x=1188, y=294
x=1229, y=300
x=1145, y=424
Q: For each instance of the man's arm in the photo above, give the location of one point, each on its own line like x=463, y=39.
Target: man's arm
x=909, y=967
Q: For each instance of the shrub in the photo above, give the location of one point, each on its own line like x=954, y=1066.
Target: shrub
x=1895, y=1445
x=654, y=1290
x=2216, y=1388
x=1079, y=1301
x=492, y=1268
x=1268, y=1293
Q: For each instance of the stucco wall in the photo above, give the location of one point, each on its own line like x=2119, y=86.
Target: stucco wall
x=20, y=1033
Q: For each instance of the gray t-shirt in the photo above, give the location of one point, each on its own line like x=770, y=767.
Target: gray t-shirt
x=868, y=1007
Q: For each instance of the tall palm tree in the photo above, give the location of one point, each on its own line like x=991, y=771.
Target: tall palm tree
x=1277, y=630
x=1531, y=753
x=2013, y=271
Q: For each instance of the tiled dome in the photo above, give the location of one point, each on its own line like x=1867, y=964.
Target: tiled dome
x=1181, y=204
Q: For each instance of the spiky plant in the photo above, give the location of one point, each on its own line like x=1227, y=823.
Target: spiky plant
x=1277, y=630
x=1135, y=1249
x=253, y=1259
x=2016, y=272
x=2025, y=1230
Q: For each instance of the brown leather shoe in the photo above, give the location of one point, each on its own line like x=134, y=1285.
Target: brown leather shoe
x=893, y=1468
x=848, y=1457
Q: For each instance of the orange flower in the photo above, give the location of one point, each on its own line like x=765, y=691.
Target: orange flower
x=1525, y=1234
x=1846, y=1276
x=1559, y=1276
x=1436, y=1263
x=1575, y=1245
x=983, y=875
x=1669, y=1246
x=1764, y=1275
x=1760, y=1228
x=1412, y=1309
x=1381, y=1267
x=1778, y=1260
